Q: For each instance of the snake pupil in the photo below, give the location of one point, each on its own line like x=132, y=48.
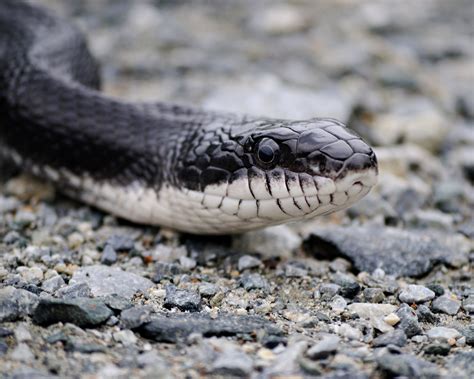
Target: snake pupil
x=267, y=151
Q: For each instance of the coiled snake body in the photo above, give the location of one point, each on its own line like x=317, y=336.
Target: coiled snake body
x=157, y=163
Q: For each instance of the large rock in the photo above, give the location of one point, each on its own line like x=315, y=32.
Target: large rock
x=397, y=252
x=178, y=326
x=104, y=281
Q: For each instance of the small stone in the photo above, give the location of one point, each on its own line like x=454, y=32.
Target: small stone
x=251, y=281
x=132, y=318
x=165, y=270
x=117, y=303
x=395, y=337
x=468, y=332
x=448, y=304
x=325, y=347
x=208, y=289
x=340, y=265
x=232, y=363
x=374, y=313
x=125, y=337
x=74, y=291
x=374, y=295
x=16, y=303
x=187, y=263
x=150, y=358
x=436, y=288
x=82, y=312
x=437, y=348
x=408, y=321
x=405, y=365
x=109, y=255
x=120, y=243
x=468, y=304
x=338, y=304
x=52, y=284
x=368, y=310
x=425, y=315
x=247, y=262
x=279, y=240
x=328, y=291
x=442, y=333
x=22, y=353
x=295, y=270
x=349, y=332
x=392, y=319
x=104, y=281
x=22, y=334
x=415, y=293
x=33, y=275
x=349, y=286
x=184, y=300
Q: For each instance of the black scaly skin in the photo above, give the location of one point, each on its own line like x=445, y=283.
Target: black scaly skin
x=51, y=114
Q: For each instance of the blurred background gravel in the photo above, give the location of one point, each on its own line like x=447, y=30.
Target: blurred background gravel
x=384, y=289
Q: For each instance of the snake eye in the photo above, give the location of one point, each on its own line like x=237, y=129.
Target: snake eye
x=268, y=151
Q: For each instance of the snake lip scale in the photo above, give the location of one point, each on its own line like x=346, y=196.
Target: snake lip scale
x=163, y=164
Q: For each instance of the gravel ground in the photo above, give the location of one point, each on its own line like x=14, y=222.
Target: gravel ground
x=382, y=290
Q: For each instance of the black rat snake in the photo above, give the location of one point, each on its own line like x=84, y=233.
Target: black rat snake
x=157, y=163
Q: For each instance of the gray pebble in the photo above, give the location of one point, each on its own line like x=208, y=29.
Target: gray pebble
x=16, y=303
x=408, y=321
x=468, y=332
x=120, y=243
x=22, y=353
x=295, y=270
x=178, y=326
x=208, y=289
x=132, y=318
x=328, y=291
x=53, y=284
x=437, y=348
x=446, y=304
x=165, y=270
x=395, y=337
x=415, y=293
x=184, y=300
x=11, y=237
x=248, y=262
x=424, y=314
x=374, y=295
x=252, y=281
x=83, y=312
x=325, y=347
x=187, y=263
x=436, y=288
x=442, y=333
x=117, y=303
x=468, y=304
x=73, y=291
x=232, y=363
x=405, y=365
x=104, y=280
x=349, y=286
x=109, y=255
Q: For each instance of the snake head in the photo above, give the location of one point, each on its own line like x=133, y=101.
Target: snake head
x=266, y=172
